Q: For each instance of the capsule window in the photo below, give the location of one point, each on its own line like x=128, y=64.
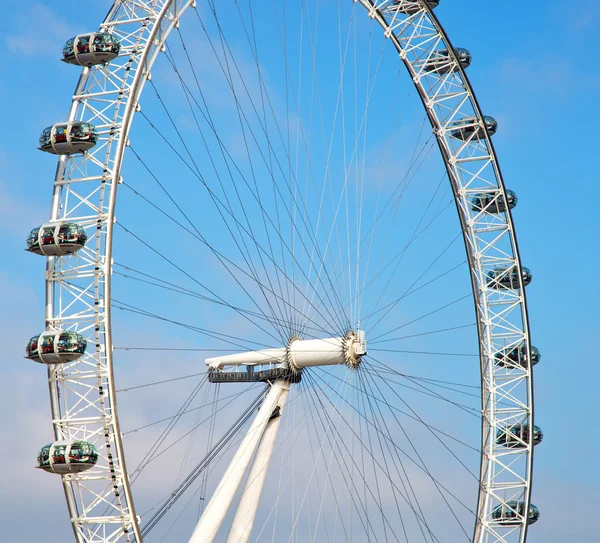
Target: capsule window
x=83, y=44
x=69, y=49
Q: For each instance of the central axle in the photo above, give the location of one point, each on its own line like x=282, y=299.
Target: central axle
x=300, y=354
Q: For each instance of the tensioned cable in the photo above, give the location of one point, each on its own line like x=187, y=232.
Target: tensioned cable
x=155, y=382
x=445, y=306
x=222, y=259
x=232, y=87
x=214, y=403
x=406, y=414
x=416, y=463
x=428, y=392
x=168, y=260
x=420, y=457
x=185, y=291
x=305, y=216
x=431, y=332
x=247, y=255
x=416, y=234
x=252, y=169
x=215, y=335
x=200, y=467
x=165, y=433
x=385, y=456
x=232, y=215
x=345, y=453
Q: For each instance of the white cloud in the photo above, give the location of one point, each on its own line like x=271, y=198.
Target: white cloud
x=39, y=31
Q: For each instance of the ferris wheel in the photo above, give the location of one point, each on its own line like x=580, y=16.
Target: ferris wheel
x=361, y=365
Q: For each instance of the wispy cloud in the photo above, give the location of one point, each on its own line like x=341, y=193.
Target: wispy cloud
x=39, y=32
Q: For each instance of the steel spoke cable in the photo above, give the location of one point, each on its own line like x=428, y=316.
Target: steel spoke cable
x=328, y=480
x=254, y=48
x=302, y=216
x=431, y=332
x=216, y=335
x=222, y=259
x=291, y=472
x=423, y=352
x=321, y=258
x=209, y=119
x=289, y=161
x=300, y=132
x=365, y=394
x=328, y=148
x=371, y=448
x=411, y=288
x=432, y=393
x=165, y=433
x=212, y=127
x=407, y=414
x=363, y=124
x=428, y=471
x=434, y=382
x=207, y=463
x=346, y=454
x=199, y=283
x=428, y=314
x=416, y=234
x=393, y=303
x=185, y=484
x=413, y=461
x=248, y=260
x=375, y=232
x=312, y=474
x=219, y=201
x=187, y=292
x=233, y=217
x=476, y=477
x=154, y=383
x=225, y=443
x=213, y=404
x=350, y=484
x=317, y=480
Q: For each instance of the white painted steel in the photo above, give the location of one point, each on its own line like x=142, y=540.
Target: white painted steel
x=249, y=358
x=209, y=524
x=82, y=393
x=490, y=240
x=78, y=288
x=301, y=353
x=241, y=527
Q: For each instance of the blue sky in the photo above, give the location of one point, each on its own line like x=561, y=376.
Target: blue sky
x=534, y=70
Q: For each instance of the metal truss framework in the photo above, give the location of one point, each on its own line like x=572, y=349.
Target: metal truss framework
x=78, y=290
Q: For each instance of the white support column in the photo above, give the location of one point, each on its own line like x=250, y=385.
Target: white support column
x=241, y=527
x=216, y=510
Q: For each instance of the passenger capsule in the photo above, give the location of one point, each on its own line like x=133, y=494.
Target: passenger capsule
x=441, y=62
x=410, y=7
x=56, y=347
x=68, y=138
x=517, y=356
x=508, y=277
x=511, y=513
x=91, y=49
x=517, y=436
x=58, y=239
x=493, y=202
x=469, y=128
x=64, y=457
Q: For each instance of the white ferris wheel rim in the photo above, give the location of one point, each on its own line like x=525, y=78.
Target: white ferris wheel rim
x=147, y=40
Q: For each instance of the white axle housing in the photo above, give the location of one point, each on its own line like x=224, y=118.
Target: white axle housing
x=301, y=353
